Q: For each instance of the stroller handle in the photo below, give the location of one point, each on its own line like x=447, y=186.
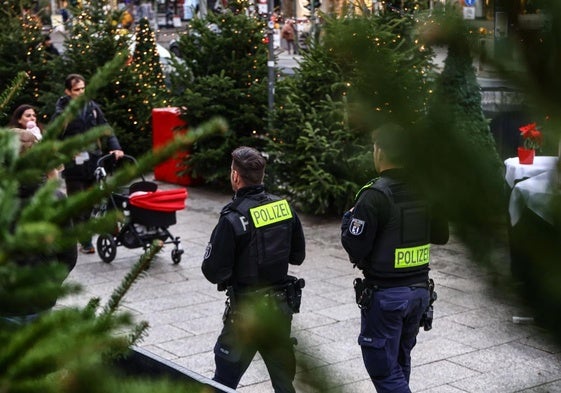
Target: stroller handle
x=106, y=165
x=101, y=160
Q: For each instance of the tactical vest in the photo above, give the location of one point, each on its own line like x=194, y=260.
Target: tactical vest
x=268, y=219
x=401, y=251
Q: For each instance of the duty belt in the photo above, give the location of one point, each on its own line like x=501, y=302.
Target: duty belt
x=288, y=295
x=375, y=287
x=424, y=284
x=364, y=290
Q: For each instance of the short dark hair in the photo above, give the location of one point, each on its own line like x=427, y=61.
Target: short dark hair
x=250, y=164
x=71, y=80
x=392, y=139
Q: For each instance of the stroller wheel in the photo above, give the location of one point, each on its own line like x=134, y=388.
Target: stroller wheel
x=106, y=248
x=176, y=256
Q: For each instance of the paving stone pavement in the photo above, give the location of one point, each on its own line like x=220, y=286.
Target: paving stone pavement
x=474, y=345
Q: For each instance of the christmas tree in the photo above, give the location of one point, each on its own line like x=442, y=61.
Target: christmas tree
x=22, y=51
x=456, y=132
x=366, y=70
x=128, y=101
x=225, y=74
x=63, y=349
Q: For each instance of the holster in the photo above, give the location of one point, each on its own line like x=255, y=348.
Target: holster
x=294, y=293
x=426, y=318
x=287, y=296
x=363, y=293
x=230, y=301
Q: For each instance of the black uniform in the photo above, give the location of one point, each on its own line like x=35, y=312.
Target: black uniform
x=387, y=236
x=257, y=236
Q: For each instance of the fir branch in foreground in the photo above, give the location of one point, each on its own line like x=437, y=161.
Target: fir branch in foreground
x=99, y=80
x=138, y=332
x=18, y=83
x=136, y=272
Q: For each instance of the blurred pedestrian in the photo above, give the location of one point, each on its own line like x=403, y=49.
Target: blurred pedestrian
x=24, y=123
x=126, y=19
x=287, y=34
x=79, y=173
x=145, y=11
x=169, y=16
x=49, y=47
x=66, y=15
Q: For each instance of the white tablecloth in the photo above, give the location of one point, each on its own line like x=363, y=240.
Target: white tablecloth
x=516, y=171
x=536, y=193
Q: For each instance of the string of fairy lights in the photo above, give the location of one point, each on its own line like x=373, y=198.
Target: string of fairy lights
x=143, y=68
x=147, y=74
x=144, y=72
x=31, y=29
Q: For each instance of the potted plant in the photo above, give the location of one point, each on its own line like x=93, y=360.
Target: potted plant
x=531, y=141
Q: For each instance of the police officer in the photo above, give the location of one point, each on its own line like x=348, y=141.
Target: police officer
x=257, y=236
x=386, y=235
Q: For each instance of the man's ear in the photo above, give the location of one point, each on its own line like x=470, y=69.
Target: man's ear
x=382, y=155
x=376, y=153
x=235, y=177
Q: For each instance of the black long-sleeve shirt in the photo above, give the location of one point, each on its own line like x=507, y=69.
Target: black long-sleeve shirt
x=372, y=209
x=225, y=247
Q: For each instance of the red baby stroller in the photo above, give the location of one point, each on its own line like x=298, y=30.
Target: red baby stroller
x=148, y=214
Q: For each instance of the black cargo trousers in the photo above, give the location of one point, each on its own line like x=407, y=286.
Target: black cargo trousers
x=257, y=324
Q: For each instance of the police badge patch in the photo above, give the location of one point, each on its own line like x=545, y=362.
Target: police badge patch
x=208, y=250
x=356, y=226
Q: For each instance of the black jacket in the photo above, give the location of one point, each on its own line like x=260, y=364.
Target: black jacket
x=89, y=117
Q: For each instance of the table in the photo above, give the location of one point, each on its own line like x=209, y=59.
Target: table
x=516, y=171
x=531, y=212
x=533, y=187
x=536, y=194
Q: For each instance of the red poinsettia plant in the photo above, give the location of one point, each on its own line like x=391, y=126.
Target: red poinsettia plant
x=531, y=136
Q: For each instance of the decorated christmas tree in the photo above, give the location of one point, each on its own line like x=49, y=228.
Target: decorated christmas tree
x=225, y=74
x=68, y=349
x=365, y=71
x=129, y=100
x=22, y=50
